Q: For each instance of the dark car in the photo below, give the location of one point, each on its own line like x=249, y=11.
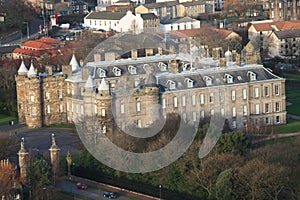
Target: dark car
x=81, y=186
x=110, y=195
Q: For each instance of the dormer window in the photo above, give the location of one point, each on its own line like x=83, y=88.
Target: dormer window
x=252, y=76
x=228, y=78
x=186, y=66
x=208, y=80
x=189, y=82
x=132, y=69
x=162, y=66
x=101, y=73
x=172, y=85
x=116, y=71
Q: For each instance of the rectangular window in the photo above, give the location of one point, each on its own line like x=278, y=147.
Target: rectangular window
x=276, y=90
x=48, y=108
x=267, y=110
x=233, y=95
x=211, y=97
x=257, y=109
x=122, y=108
x=47, y=95
x=175, y=102
x=32, y=98
x=266, y=91
x=193, y=99
x=221, y=97
x=59, y=93
x=139, y=123
x=163, y=103
x=245, y=110
x=277, y=106
x=202, y=114
x=183, y=101
x=194, y=116
x=234, y=112
x=95, y=109
x=138, y=106
x=222, y=112
x=103, y=112
x=61, y=108
x=234, y=124
x=212, y=112
x=277, y=119
x=244, y=94
x=256, y=92
x=267, y=120
x=202, y=99
x=32, y=112
x=77, y=108
x=81, y=109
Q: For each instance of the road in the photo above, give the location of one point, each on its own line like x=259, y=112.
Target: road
x=95, y=190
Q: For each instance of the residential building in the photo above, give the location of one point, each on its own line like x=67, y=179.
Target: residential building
x=194, y=88
x=260, y=32
x=179, y=24
x=80, y=7
x=285, y=44
x=284, y=10
x=196, y=8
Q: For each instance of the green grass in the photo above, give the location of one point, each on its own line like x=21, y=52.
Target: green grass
x=291, y=76
x=4, y=119
x=60, y=126
x=292, y=126
x=293, y=96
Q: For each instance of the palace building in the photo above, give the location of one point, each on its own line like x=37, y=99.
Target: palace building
x=137, y=91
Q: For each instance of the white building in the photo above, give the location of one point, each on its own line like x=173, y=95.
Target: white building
x=184, y=23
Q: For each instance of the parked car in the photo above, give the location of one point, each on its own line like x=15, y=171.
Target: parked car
x=110, y=195
x=81, y=186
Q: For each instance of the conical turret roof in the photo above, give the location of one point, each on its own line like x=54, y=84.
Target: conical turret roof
x=90, y=82
x=74, y=64
x=31, y=71
x=103, y=85
x=22, y=68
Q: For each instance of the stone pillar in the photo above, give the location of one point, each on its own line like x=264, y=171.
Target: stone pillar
x=23, y=161
x=54, y=155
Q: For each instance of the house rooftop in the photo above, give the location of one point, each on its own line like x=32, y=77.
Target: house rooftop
x=106, y=15
x=288, y=34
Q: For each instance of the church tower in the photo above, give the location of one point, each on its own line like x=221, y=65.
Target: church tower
x=23, y=161
x=54, y=155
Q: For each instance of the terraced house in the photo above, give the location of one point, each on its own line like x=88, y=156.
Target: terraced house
x=139, y=90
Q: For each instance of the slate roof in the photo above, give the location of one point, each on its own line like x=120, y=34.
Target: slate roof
x=284, y=25
x=193, y=3
x=106, y=15
x=287, y=34
x=161, y=4
x=178, y=20
x=147, y=16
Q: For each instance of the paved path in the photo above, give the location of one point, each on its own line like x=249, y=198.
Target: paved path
x=273, y=136
x=293, y=116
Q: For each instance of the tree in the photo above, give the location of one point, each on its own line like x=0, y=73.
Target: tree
x=223, y=189
x=8, y=179
x=236, y=142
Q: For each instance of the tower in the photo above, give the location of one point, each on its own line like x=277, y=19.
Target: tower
x=23, y=161
x=54, y=155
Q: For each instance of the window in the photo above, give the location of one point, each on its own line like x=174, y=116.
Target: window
x=245, y=110
x=104, y=129
x=252, y=76
x=101, y=73
x=189, y=82
x=234, y=124
x=139, y=123
x=32, y=112
x=47, y=95
x=202, y=99
x=267, y=108
x=194, y=116
x=208, y=80
x=276, y=89
x=164, y=103
x=59, y=93
x=202, y=114
x=222, y=112
x=277, y=106
x=60, y=108
x=175, y=102
x=132, y=69
x=193, y=99
x=211, y=97
x=95, y=109
x=77, y=108
x=233, y=111
x=162, y=66
x=257, y=109
x=212, y=112
x=244, y=94
x=81, y=110
x=32, y=98
x=221, y=96
x=116, y=71
x=122, y=108
x=233, y=95
x=48, y=109
x=172, y=84
x=183, y=101
x=256, y=92
x=268, y=120
x=266, y=91
x=228, y=78
x=277, y=119
x=138, y=106
x=103, y=112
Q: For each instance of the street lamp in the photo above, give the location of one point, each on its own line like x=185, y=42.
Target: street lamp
x=27, y=26
x=73, y=164
x=159, y=192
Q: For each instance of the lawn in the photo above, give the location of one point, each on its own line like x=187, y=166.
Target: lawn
x=293, y=96
x=292, y=126
x=5, y=119
x=291, y=76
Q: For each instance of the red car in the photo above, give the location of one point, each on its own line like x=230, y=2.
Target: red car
x=81, y=186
